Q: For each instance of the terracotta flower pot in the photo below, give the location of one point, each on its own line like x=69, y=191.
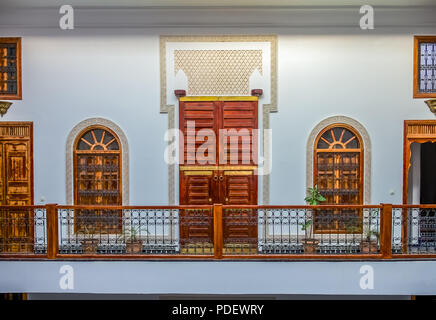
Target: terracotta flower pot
x=134, y=246
x=368, y=246
x=310, y=245
x=89, y=246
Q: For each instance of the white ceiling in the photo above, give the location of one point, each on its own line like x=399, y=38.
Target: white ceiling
x=184, y=3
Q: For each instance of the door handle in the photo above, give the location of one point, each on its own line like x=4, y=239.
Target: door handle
x=221, y=178
x=215, y=178
x=210, y=199
x=227, y=199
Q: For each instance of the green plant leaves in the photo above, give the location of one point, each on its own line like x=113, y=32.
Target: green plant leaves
x=314, y=197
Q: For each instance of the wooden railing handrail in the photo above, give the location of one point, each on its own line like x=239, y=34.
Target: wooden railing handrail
x=414, y=206
x=302, y=206
x=386, y=212
x=98, y=207
x=366, y=206
x=23, y=207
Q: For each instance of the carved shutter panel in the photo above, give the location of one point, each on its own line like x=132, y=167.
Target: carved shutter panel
x=239, y=118
x=205, y=115
x=240, y=227
x=18, y=186
x=198, y=187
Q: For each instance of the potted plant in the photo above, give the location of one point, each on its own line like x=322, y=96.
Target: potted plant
x=310, y=244
x=89, y=242
x=133, y=242
x=369, y=244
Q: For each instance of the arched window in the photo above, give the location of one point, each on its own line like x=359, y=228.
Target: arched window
x=338, y=172
x=97, y=177
x=97, y=159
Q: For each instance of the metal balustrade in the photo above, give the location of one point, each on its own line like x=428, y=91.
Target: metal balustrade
x=218, y=231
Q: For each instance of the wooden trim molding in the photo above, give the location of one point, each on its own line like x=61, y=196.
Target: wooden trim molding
x=219, y=98
x=416, y=93
x=360, y=129
x=69, y=151
x=18, y=94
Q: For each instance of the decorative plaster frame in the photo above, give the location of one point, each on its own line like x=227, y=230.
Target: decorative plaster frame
x=266, y=108
x=69, y=150
x=366, y=151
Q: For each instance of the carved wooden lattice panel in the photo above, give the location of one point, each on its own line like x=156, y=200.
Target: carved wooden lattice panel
x=10, y=68
x=98, y=180
x=218, y=72
x=16, y=186
x=421, y=130
x=338, y=175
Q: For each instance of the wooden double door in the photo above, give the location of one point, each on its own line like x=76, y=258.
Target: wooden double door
x=16, y=186
x=220, y=170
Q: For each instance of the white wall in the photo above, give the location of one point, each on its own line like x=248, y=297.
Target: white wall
x=69, y=76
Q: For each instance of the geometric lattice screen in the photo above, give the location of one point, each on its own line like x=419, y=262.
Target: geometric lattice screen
x=218, y=72
x=10, y=68
x=427, y=67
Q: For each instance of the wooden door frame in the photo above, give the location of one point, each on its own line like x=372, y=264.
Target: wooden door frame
x=426, y=135
x=425, y=131
x=217, y=168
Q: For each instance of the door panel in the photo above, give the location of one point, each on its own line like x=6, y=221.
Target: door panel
x=196, y=188
x=239, y=118
x=203, y=115
x=16, y=187
x=239, y=187
x=239, y=226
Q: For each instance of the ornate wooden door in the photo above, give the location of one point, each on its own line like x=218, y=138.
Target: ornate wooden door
x=225, y=173
x=16, y=186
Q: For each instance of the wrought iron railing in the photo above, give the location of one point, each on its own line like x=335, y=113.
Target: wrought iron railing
x=138, y=231
x=414, y=230
x=23, y=230
x=301, y=230
x=382, y=231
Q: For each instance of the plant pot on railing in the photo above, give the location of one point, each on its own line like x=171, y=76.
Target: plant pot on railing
x=310, y=246
x=369, y=245
x=134, y=246
x=133, y=242
x=89, y=246
x=89, y=242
